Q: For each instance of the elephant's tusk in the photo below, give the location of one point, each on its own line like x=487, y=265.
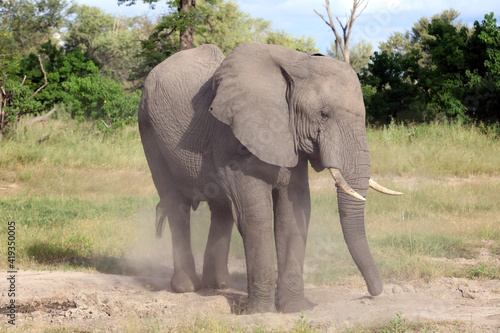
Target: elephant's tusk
x=377, y=187
x=337, y=176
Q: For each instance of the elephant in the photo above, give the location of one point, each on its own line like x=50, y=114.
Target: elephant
x=239, y=132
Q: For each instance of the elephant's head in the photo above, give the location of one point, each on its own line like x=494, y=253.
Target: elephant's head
x=280, y=103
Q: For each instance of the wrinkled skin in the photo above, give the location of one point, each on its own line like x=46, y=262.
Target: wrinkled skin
x=238, y=133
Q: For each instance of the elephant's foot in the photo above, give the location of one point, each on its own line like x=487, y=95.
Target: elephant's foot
x=184, y=283
x=215, y=280
x=291, y=306
x=259, y=307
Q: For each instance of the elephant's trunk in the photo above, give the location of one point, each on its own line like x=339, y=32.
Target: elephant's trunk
x=345, y=153
x=352, y=219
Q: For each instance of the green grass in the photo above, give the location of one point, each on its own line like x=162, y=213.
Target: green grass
x=84, y=200
x=434, y=150
x=72, y=145
x=402, y=325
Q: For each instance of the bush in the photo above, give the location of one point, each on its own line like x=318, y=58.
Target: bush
x=102, y=99
x=77, y=82
x=463, y=82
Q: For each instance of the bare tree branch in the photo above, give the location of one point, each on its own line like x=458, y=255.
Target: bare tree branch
x=44, y=76
x=40, y=118
x=343, y=42
x=108, y=126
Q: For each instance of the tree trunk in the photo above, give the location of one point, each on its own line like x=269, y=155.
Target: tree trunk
x=346, y=52
x=187, y=34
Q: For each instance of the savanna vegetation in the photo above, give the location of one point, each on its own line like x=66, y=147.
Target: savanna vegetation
x=84, y=200
x=440, y=70
x=69, y=193
x=432, y=100
x=92, y=64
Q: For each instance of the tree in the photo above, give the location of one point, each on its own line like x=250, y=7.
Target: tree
x=186, y=10
x=76, y=81
x=359, y=54
x=30, y=23
x=280, y=37
x=342, y=43
x=403, y=43
x=112, y=41
x=219, y=22
x=225, y=25
x=182, y=18
x=390, y=88
x=16, y=100
x=464, y=82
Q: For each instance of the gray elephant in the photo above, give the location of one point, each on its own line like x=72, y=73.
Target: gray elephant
x=238, y=132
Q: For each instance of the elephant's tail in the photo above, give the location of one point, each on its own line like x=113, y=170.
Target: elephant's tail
x=161, y=214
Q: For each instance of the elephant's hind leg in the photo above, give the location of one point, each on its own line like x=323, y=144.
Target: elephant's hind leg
x=178, y=213
x=215, y=272
x=175, y=207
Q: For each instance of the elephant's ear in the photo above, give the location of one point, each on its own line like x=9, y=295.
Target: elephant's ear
x=253, y=91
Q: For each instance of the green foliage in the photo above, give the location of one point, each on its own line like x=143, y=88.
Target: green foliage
x=112, y=42
x=88, y=26
x=59, y=66
x=222, y=23
x=302, y=325
x=22, y=102
x=225, y=25
x=443, y=72
x=16, y=98
x=280, y=37
x=217, y=22
x=31, y=23
x=102, y=99
x=484, y=271
x=75, y=79
x=397, y=325
x=465, y=78
x=164, y=40
x=403, y=43
x=160, y=45
x=25, y=24
x=393, y=92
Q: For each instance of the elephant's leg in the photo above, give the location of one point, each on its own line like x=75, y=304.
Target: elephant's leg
x=292, y=209
x=255, y=226
x=178, y=213
x=215, y=272
x=176, y=207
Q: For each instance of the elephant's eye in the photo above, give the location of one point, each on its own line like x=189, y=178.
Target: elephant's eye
x=325, y=115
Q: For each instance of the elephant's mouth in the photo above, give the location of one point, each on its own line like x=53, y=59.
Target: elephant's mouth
x=341, y=183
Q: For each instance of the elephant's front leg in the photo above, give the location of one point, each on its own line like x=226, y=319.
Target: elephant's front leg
x=254, y=207
x=292, y=209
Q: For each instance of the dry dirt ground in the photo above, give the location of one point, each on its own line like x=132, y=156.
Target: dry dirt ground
x=92, y=301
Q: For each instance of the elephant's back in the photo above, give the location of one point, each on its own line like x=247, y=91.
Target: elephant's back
x=171, y=86
x=175, y=107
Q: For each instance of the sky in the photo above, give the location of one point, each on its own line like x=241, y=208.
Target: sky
x=378, y=21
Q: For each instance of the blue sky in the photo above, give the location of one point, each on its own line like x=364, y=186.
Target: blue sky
x=378, y=21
